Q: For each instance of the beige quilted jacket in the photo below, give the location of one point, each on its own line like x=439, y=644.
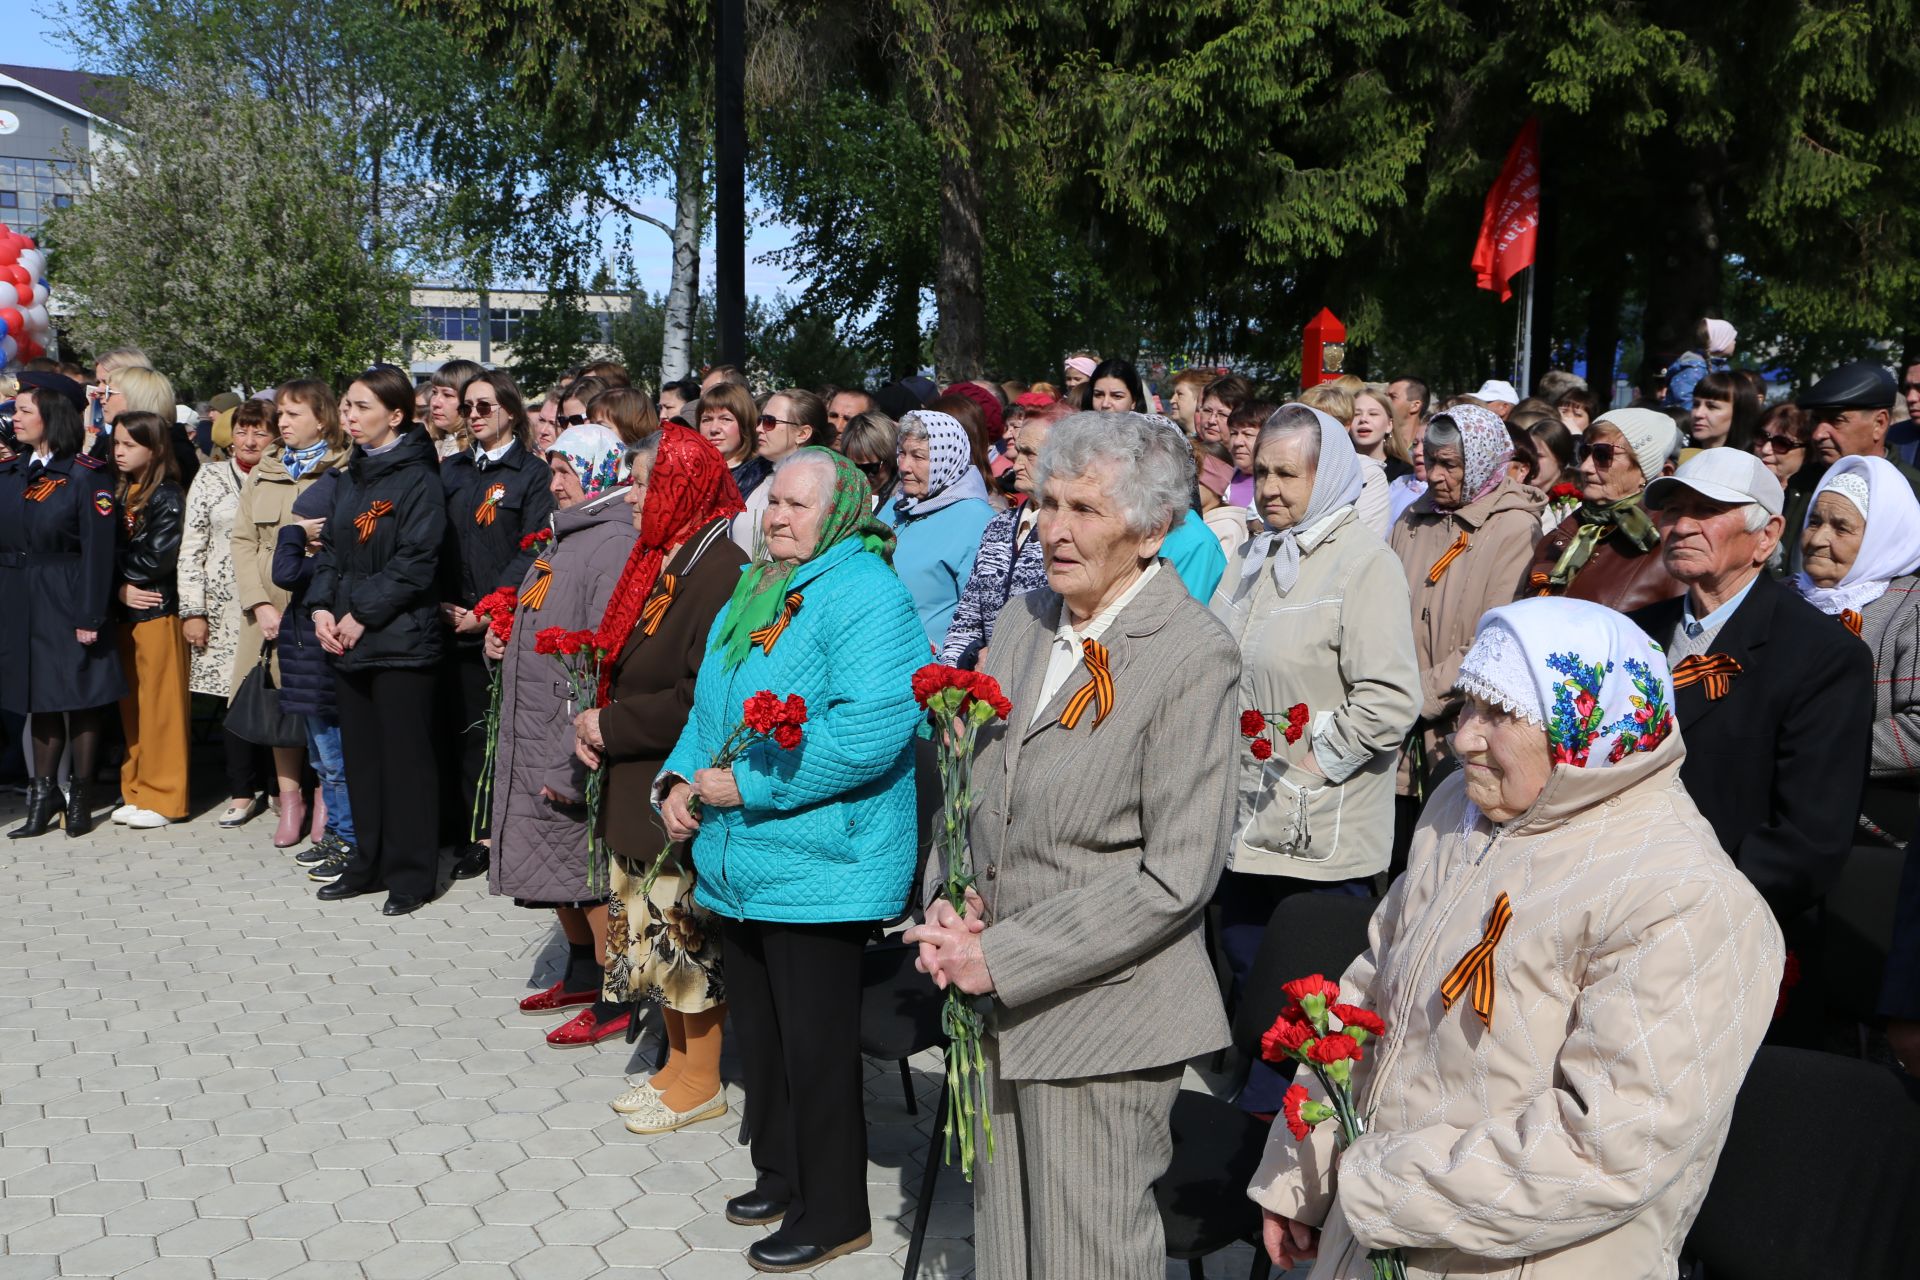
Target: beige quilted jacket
x=1576, y=1137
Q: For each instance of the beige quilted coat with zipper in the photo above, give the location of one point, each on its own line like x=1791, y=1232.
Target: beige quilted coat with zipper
x=1575, y=1139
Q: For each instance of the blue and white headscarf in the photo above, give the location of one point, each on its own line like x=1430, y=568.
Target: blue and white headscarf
x=951, y=475
x=595, y=452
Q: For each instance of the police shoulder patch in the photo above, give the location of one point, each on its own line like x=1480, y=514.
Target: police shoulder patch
x=103, y=502
x=88, y=461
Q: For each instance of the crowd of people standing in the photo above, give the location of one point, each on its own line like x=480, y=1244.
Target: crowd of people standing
x=1257, y=646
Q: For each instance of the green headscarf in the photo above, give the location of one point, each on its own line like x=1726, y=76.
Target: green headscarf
x=1597, y=520
x=762, y=589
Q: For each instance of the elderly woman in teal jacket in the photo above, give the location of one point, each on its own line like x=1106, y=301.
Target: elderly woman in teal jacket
x=799, y=852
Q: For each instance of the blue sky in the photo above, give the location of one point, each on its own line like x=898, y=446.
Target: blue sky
x=31, y=41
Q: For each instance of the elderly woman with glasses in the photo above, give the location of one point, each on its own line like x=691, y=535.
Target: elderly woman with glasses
x=801, y=851
x=1608, y=550
x=1466, y=545
x=1319, y=607
x=1574, y=978
x=870, y=441
x=1102, y=815
x=939, y=517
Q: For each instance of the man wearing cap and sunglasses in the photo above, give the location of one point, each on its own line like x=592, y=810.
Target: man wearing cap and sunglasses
x=1851, y=408
x=1774, y=698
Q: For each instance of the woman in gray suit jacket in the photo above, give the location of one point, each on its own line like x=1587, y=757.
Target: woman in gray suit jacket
x=1103, y=811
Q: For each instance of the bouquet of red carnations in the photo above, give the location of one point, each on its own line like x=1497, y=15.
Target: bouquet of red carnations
x=580, y=657
x=496, y=609
x=765, y=717
x=1316, y=1029
x=959, y=704
x=1254, y=725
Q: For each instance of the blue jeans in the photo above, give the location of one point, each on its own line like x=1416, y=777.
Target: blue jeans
x=330, y=764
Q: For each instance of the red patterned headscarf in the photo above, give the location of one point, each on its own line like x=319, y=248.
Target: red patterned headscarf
x=689, y=487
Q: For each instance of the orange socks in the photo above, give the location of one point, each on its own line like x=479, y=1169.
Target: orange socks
x=697, y=1055
x=665, y=1078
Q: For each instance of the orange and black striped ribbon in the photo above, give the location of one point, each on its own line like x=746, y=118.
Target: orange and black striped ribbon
x=367, y=519
x=536, y=595
x=1851, y=620
x=1452, y=553
x=489, y=509
x=1540, y=580
x=766, y=635
x=656, y=608
x=1475, y=969
x=43, y=488
x=1714, y=671
x=1098, y=691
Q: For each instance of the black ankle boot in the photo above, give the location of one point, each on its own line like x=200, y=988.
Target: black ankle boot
x=79, y=809
x=43, y=802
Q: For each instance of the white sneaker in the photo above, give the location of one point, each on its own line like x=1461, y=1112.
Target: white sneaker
x=124, y=812
x=144, y=819
x=637, y=1099
x=658, y=1117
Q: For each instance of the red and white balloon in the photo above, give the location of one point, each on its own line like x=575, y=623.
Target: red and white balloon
x=26, y=330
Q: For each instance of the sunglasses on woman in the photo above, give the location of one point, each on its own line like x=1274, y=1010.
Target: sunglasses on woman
x=572, y=419
x=768, y=422
x=477, y=408
x=871, y=469
x=1779, y=444
x=1602, y=453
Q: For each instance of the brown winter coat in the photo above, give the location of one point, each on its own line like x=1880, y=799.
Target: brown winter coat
x=266, y=503
x=1501, y=529
x=651, y=694
x=1619, y=575
x=1575, y=1137
x=539, y=847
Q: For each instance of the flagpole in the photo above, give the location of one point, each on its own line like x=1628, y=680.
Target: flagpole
x=1524, y=374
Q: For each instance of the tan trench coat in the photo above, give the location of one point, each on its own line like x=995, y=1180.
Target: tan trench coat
x=1576, y=1136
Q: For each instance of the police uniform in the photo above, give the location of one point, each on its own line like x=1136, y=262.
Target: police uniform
x=57, y=524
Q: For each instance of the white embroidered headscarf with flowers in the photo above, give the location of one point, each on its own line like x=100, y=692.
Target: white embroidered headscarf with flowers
x=951, y=475
x=595, y=453
x=1485, y=449
x=1890, y=547
x=1585, y=674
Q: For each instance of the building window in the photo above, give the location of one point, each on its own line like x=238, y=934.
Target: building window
x=504, y=323
x=63, y=202
x=9, y=199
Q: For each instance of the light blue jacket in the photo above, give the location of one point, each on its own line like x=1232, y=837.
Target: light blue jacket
x=1196, y=555
x=826, y=831
x=935, y=558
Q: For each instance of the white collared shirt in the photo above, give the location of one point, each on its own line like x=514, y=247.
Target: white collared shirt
x=1065, y=655
x=492, y=455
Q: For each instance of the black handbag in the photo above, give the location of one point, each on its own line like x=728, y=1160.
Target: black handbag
x=254, y=712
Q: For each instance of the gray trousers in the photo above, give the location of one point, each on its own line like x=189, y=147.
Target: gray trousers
x=1068, y=1194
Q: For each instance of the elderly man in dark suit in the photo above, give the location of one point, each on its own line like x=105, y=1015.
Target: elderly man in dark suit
x=1104, y=807
x=1775, y=698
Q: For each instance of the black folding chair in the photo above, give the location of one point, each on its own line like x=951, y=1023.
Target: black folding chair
x=1217, y=1146
x=899, y=1017
x=1848, y=1205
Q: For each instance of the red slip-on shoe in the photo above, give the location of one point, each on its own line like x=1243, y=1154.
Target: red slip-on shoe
x=556, y=998
x=585, y=1030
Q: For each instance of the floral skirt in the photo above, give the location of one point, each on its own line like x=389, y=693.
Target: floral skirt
x=660, y=945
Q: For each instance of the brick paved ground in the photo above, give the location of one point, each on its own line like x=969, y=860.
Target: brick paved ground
x=204, y=1072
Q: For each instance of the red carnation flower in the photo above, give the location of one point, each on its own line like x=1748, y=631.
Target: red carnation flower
x=793, y=713
x=535, y=538
x=1290, y=1107
x=1334, y=1048
x=787, y=735
x=548, y=640
x=1297, y=714
x=1261, y=748
x=1252, y=724
x=1285, y=1038
x=761, y=712
x=1352, y=1015
x=1565, y=489
x=1313, y=984
x=928, y=681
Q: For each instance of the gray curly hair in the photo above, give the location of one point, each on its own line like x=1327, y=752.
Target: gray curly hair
x=1152, y=464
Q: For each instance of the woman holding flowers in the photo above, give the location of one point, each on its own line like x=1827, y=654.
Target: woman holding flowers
x=1573, y=980
x=539, y=818
x=800, y=850
x=1319, y=606
x=1101, y=818
x=677, y=577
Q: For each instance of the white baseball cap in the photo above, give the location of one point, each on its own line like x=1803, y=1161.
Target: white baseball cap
x=1493, y=389
x=1732, y=476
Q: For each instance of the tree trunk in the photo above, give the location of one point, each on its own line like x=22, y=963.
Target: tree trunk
x=959, y=345
x=901, y=322
x=676, y=346
x=1683, y=268
x=1603, y=330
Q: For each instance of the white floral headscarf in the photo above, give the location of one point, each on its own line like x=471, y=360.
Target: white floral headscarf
x=951, y=475
x=1485, y=448
x=595, y=453
x=1889, y=549
x=1590, y=678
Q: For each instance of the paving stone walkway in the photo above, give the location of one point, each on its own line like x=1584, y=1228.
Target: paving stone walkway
x=205, y=1072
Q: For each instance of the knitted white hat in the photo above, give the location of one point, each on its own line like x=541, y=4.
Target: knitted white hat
x=1650, y=433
